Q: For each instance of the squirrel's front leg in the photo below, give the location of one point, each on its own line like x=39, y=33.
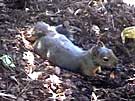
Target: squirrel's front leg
x=90, y=70
x=96, y=69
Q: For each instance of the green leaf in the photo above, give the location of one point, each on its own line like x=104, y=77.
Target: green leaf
x=7, y=61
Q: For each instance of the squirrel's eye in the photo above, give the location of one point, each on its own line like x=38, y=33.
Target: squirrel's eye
x=105, y=59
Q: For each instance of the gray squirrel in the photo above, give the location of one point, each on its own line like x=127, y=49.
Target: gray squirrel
x=59, y=50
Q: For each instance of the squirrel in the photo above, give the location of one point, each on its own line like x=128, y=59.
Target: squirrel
x=59, y=50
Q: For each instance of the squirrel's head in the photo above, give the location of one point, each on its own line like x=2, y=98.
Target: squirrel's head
x=103, y=56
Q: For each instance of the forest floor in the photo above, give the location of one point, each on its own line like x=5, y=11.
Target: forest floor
x=42, y=81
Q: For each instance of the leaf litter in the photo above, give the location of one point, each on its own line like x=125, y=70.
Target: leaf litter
x=35, y=79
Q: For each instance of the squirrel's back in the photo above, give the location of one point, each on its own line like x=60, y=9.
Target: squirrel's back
x=59, y=50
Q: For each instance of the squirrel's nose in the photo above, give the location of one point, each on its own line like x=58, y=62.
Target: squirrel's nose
x=116, y=61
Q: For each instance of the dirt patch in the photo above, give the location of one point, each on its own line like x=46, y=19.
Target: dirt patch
x=53, y=83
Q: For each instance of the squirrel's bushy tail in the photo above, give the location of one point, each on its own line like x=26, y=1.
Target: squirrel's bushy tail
x=42, y=26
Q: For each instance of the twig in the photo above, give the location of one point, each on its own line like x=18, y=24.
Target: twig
x=8, y=95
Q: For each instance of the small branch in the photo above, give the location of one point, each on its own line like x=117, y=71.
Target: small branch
x=8, y=95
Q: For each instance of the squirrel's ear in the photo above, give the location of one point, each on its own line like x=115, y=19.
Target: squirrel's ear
x=100, y=44
x=94, y=50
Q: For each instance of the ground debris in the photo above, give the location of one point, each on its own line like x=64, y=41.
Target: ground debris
x=39, y=80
